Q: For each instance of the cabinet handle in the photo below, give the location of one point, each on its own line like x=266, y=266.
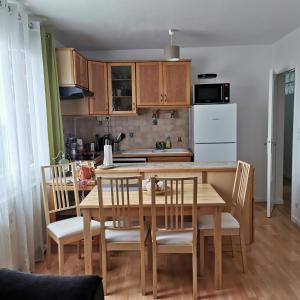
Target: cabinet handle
x=165, y=98
x=161, y=98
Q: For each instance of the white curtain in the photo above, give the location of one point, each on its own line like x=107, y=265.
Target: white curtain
x=23, y=138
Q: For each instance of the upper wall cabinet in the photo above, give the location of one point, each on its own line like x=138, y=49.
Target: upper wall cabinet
x=98, y=104
x=121, y=88
x=176, y=83
x=163, y=84
x=149, y=83
x=72, y=68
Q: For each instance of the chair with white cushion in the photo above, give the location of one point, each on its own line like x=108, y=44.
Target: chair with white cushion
x=57, y=182
x=127, y=231
x=231, y=223
x=175, y=235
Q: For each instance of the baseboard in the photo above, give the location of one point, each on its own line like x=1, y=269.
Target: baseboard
x=279, y=201
x=259, y=199
x=295, y=220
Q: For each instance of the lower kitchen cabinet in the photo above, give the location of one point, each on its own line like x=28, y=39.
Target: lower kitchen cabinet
x=169, y=158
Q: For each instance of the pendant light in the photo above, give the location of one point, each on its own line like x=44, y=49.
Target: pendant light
x=172, y=52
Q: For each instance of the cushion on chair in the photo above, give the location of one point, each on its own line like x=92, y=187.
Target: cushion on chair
x=164, y=237
x=69, y=227
x=227, y=221
x=114, y=236
x=25, y=286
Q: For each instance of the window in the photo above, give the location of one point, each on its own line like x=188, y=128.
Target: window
x=289, y=82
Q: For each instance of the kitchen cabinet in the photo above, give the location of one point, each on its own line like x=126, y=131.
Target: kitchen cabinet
x=121, y=88
x=149, y=83
x=97, y=73
x=71, y=68
x=169, y=158
x=163, y=84
x=176, y=77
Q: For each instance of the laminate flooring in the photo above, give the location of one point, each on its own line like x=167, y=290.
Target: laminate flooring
x=273, y=267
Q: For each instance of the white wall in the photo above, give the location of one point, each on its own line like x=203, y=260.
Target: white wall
x=246, y=68
x=286, y=56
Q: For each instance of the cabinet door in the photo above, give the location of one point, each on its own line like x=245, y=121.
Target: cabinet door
x=121, y=88
x=84, y=72
x=149, y=84
x=176, y=83
x=80, y=70
x=98, y=84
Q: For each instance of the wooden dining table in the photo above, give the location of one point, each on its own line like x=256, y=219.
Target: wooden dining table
x=208, y=202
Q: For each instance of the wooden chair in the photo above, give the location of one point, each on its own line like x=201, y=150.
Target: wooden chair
x=175, y=235
x=231, y=223
x=56, y=186
x=125, y=232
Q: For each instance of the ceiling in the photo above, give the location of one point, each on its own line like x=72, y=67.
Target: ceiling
x=142, y=24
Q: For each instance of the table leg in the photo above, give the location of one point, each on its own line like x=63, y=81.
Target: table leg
x=218, y=248
x=87, y=241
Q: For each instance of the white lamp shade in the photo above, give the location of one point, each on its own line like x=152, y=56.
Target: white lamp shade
x=172, y=53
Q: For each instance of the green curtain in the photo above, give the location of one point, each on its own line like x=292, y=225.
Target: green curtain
x=54, y=118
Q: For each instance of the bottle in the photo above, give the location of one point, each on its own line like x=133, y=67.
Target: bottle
x=168, y=143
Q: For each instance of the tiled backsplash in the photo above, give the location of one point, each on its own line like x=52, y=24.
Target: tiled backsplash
x=145, y=134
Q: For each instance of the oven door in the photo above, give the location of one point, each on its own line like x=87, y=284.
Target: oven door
x=208, y=93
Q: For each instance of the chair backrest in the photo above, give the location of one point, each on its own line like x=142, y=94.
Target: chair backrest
x=240, y=188
x=56, y=185
x=176, y=204
x=121, y=194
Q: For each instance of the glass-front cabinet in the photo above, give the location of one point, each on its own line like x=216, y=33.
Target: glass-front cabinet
x=121, y=88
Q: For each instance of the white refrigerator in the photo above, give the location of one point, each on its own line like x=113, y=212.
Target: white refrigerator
x=213, y=132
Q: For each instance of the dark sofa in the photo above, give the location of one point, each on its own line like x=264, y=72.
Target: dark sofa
x=26, y=286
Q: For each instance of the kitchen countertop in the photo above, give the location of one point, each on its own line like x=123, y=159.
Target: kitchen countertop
x=170, y=167
x=153, y=152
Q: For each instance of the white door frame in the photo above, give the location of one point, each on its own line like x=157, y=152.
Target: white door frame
x=275, y=141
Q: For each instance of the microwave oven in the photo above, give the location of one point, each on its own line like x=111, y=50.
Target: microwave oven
x=211, y=93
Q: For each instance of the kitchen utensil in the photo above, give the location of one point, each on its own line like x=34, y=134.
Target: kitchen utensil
x=120, y=137
x=160, y=145
x=116, y=147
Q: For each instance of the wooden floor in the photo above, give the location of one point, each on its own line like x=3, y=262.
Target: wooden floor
x=274, y=268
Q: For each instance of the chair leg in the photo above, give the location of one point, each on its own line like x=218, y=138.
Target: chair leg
x=48, y=253
x=202, y=254
x=108, y=260
x=232, y=245
x=244, y=251
x=149, y=252
x=194, y=259
x=100, y=252
x=154, y=270
x=143, y=272
x=79, y=249
x=60, y=257
x=104, y=269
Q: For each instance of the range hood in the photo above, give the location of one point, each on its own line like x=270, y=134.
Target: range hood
x=74, y=92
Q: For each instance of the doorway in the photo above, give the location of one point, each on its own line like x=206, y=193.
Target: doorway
x=288, y=139
x=282, y=142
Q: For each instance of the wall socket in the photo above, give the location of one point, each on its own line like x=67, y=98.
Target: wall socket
x=131, y=134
